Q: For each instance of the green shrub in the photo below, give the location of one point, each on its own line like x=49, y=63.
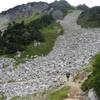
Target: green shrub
x=90, y=18
x=59, y=95
x=93, y=80
x=18, y=35
x=2, y=96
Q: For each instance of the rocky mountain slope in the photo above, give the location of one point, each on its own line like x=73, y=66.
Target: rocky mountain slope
x=62, y=4
x=25, y=10
x=83, y=7
x=33, y=7
x=30, y=8
x=71, y=51
x=4, y=20
x=90, y=17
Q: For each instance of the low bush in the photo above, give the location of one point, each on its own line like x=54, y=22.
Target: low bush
x=93, y=80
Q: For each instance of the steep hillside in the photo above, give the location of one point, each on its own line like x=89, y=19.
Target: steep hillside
x=57, y=8
x=60, y=5
x=29, y=36
x=90, y=18
x=25, y=10
x=34, y=7
x=93, y=80
x=27, y=25
x=83, y=7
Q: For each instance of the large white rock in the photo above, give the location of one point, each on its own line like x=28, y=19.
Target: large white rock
x=92, y=95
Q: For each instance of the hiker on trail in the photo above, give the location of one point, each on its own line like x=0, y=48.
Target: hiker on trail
x=68, y=75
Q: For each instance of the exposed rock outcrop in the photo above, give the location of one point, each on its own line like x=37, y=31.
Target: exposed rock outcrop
x=92, y=95
x=83, y=7
x=33, y=7
x=4, y=20
x=25, y=10
x=57, y=14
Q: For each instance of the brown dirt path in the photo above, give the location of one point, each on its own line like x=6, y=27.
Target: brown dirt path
x=75, y=90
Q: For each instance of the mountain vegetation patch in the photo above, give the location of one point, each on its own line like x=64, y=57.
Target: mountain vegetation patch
x=90, y=18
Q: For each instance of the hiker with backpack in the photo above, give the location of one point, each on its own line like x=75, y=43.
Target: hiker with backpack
x=68, y=75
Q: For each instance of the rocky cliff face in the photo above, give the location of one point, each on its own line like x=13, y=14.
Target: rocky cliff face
x=61, y=5
x=25, y=10
x=33, y=7
x=30, y=8
x=83, y=7
x=58, y=8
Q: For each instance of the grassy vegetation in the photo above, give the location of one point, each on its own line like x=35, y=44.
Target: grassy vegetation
x=93, y=80
x=44, y=47
x=20, y=37
x=50, y=34
x=28, y=19
x=90, y=18
x=38, y=25
x=2, y=96
x=83, y=73
x=28, y=97
x=59, y=94
x=51, y=95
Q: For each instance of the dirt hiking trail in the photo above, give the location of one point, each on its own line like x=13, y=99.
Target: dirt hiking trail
x=75, y=90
